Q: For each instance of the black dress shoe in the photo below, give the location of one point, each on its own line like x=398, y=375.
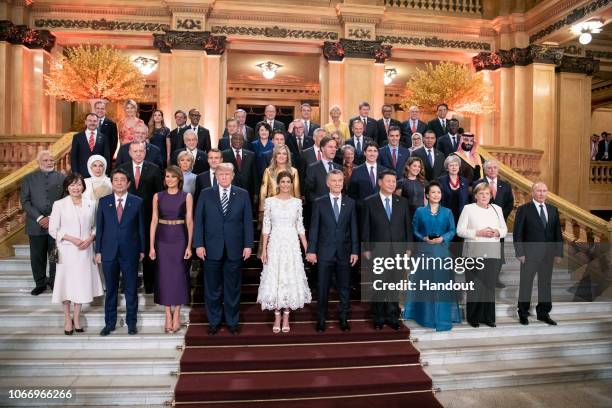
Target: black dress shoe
x=106, y=331
x=320, y=327
x=344, y=325
x=499, y=285
x=524, y=320
x=68, y=333
x=548, y=320
x=378, y=326
x=38, y=290
x=491, y=324
x=395, y=326
x=132, y=331
x=234, y=330
x=474, y=324
x=212, y=330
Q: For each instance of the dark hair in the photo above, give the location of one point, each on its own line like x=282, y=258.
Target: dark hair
x=278, y=132
x=364, y=104
x=70, y=179
x=120, y=171
x=393, y=128
x=429, y=131
x=282, y=174
x=453, y=120
x=430, y=185
x=260, y=125
x=176, y=171
x=91, y=114
x=442, y=104
x=386, y=172
x=371, y=143
x=412, y=159
x=180, y=111
x=460, y=131
x=387, y=105
x=230, y=120
x=215, y=150
x=326, y=140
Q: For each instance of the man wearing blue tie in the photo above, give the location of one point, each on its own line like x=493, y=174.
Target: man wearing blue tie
x=393, y=156
x=223, y=238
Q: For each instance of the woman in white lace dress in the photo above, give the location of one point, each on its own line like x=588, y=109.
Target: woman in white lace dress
x=283, y=283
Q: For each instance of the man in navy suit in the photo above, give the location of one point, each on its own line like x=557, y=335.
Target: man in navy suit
x=538, y=244
x=152, y=152
x=411, y=126
x=370, y=127
x=87, y=143
x=107, y=127
x=309, y=126
x=270, y=118
x=439, y=124
x=449, y=142
x=358, y=141
x=232, y=127
x=385, y=124
x=334, y=246
x=190, y=141
x=316, y=175
x=202, y=133
x=120, y=244
x=223, y=237
x=393, y=156
x=363, y=181
x=433, y=158
x=208, y=178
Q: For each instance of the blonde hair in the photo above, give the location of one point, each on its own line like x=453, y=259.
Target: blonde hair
x=274, y=165
x=131, y=102
x=186, y=154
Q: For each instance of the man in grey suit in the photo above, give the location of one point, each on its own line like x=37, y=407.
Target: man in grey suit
x=39, y=190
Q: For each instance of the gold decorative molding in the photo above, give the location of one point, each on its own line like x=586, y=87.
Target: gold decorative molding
x=42, y=10
x=273, y=32
x=276, y=91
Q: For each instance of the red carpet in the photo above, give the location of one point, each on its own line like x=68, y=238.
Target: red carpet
x=334, y=369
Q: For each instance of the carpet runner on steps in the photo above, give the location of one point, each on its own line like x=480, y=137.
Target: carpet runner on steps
x=303, y=368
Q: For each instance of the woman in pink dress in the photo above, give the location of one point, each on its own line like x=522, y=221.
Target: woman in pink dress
x=129, y=122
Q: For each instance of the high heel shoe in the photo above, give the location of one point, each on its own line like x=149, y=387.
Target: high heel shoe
x=176, y=329
x=277, y=323
x=77, y=329
x=168, y=327
x=286, y=327
x=69, y=332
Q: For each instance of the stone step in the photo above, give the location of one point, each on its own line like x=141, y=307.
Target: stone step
x=109, y=390
x=584, y=308
x=22, y=297
x=520, y=372
x=88, y=362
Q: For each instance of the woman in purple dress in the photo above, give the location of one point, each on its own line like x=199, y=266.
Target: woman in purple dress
x=171, y=234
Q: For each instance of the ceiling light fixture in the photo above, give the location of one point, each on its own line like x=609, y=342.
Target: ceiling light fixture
x=586, y=29
x=268, y=69
x=390, y=73
x=145, y=65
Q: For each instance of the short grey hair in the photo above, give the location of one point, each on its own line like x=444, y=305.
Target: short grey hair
x=334, y=172
x=348, y=147
x=42, y=153
x=189, y=132
x=318, y=131
x=186, y=154
x=451, y=159
x=489, y=163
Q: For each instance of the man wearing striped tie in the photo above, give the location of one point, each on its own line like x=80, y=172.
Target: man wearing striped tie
x=223, y=238
x=87, y=143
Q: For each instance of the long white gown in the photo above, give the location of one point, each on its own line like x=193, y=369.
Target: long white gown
x=283, y=282
x=76, y=276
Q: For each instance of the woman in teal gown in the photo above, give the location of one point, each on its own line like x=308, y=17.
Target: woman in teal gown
x=433, y=227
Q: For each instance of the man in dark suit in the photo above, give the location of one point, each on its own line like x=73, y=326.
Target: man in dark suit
x=240, y=115
x=245, y=170
x=384, y=124
x=107, y=127
x=333, y=245
x=296, y=139
x=538, y=244
x=412, y=125
x=176, y=134
x=369, y=124
x=232, y=127
x=604, y=150
x=316, y=174
x=120, y=244
x=87, y=143
x=39, y=190
x=501, y=194
x=152, y=152
x=223, y=238
x=145, y=180
x=202, y=132
x=358, y=141
x=439, y=124
x=433, y=158
x=309, y=126
x=449, y=142
x=364, y=180
x=310, y=155
x=393, y=156
x=208, y=178
x=386, y=219
x=270, y=119
x=190, y=140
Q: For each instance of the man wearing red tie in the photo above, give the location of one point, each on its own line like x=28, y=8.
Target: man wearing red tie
x=411, y=126
x=385, y=124
x=87, y=143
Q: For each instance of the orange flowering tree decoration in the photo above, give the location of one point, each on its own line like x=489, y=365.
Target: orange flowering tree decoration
x=87, y=73
x=454, y=84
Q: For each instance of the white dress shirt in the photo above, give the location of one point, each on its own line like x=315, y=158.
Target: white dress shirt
x=212, y=177
x=433, y=155
x=332, y=197
x=384, y=198
x=123, y=198
x=372, y=167
x=538, y=208
x=228, y=190
x=134, y=165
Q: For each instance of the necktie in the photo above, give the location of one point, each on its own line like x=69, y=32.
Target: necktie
x=387, y=127
x=119, y=209
x=543, y=215
x=336, y=209
x=394, y=157
x=454, y=139
x=372, y=178
x=443, y=125
x=101, y=122
x=92, y=140
x=331, y=166
x=413, y=127
x=195, y=129
x=306, y=127
x=493, y=186
x=358, y=146
x=429, y=158
x=365, y=121
x=318, y=154
x=388, y=208
x=238, y=159
x=299, y=143
x=137, y=176
x=214, y=179
x=224, y=202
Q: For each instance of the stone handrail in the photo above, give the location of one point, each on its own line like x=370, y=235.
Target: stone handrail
x=524, y=161
x=578, y=224
x=600, y=173
x=12, y=216
x=470, y=7
x=18, y=150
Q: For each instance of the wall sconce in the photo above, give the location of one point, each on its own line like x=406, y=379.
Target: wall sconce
x=268, y=69
x=145, y=65
x=585, y=30
x=390, y=73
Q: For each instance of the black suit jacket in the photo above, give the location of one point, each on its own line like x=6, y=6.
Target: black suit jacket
x=316, y=180
x=407, y=131
x=109, y=129
x=278, y=125
x=291, y=142
x=307, y=157
x=376, y=227
x=329, y=238
x=202, y=182
x=176, y=138
x=152, y=154
x=529, y=229
x=224, y=144
x=504, y=196
x=381, y=131
x=151, y=182
x=80, y=152
x=360, y=185
x=312, y=128
x=203, y=138
x=250, y=134
x=359, y=158
x=435, y=125
x=370, y=130
x=601, y=150
x=438, y=168
x=246, y=176
x=199, y=165
x=445, y=144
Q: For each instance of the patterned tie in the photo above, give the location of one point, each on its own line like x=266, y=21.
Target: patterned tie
x=137, y=177
x=429, y=158
x=92, y=140
x=394, y=157
x=372, y=178
x=318, y=155
x=331, y=166
x=543, y=215
x=238, y=159
x=388, y=208
x=336, y=209
x=306, y=127
x=224, y=202
x=365, y=121
x=493, y=186
x=119, y=209
x=413, y=127
x=359, y=146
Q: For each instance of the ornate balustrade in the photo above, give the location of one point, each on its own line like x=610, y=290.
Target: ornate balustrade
x=469, y=7
x=601, y=173
x=17, y=151
x=524, y=161
x=12, y=216
x=578, y=225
